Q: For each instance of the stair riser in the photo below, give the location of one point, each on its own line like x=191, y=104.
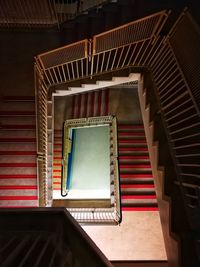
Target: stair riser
x=12, y=106
x=140, y=203
x=134, y=161
x=18, y=203
x=90, y=104
x=132, y=153
x=133, y=145
x=135, y=181
x=6, y=113
x=17, y=147
x=7, y=170
x=138, y=191
x=15, y=127
x=17, y=192
x=135, y=171
x=18, y=120
x=17, y=140
x=18, y=134
x=18, y=181
x=18, y=159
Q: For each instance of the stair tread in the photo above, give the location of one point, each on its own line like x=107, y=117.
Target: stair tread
x=18, y=98
x=140, y=208
x=18, y=153
x=18, y=176
x=17, y=127
x=21, y=164
x=17, y=113
x=20, y=140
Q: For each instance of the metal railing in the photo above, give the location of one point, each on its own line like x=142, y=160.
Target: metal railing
x=41, y=98
x=105, y=214
x=90, y=57
x=176, y=81
x=64, y=64
x=175, y=70
x=86, y=59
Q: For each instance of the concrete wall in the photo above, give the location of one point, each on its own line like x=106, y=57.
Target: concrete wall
x=17, y=51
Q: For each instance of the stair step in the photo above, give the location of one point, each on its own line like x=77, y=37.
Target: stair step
x=17, y=205
x=18, y=176
x=18, y=147
x=18, y=159
x=17, y=120
x=18, y=153
x=139, y=197
x=18, y=140
x=134, y=166
x=136, y=180
x=18, y=98
x=17, y=113
x=126, y=157
x=131, y=134
x=137, y=186
x=138, y=176
x=18, y=170
x=133, y=149
x=139, y=202
x=17, y=127
x=18, y=134
x=18, y=105
x=130, y=127
x=134, y=159
x=18, y=182
x=18, y=187
x=20, y=197
x=140, y=208
x=132, y=141
x=20, y=165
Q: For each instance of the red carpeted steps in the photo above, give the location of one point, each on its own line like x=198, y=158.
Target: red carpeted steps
x=57, y=160
x=18, y=172
x=90, y=104
x=136, y=180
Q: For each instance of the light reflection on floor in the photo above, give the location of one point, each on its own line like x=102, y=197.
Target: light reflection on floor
x=139, y=237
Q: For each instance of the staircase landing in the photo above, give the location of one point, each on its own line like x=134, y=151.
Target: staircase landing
x=139, y=236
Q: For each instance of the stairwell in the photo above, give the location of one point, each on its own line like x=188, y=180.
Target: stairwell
x=136, y=179
x=18, y=172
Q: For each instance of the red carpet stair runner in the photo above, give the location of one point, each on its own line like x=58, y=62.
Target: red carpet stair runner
x=18, y=179
x=90, y=104
x=136, y=180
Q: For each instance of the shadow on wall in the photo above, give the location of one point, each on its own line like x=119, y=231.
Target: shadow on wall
x=124, y=103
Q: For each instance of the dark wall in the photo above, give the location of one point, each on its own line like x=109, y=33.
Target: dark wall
x=17, y=51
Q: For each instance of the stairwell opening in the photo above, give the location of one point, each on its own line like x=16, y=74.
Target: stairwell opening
x=135, y=168
x=138, y=197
